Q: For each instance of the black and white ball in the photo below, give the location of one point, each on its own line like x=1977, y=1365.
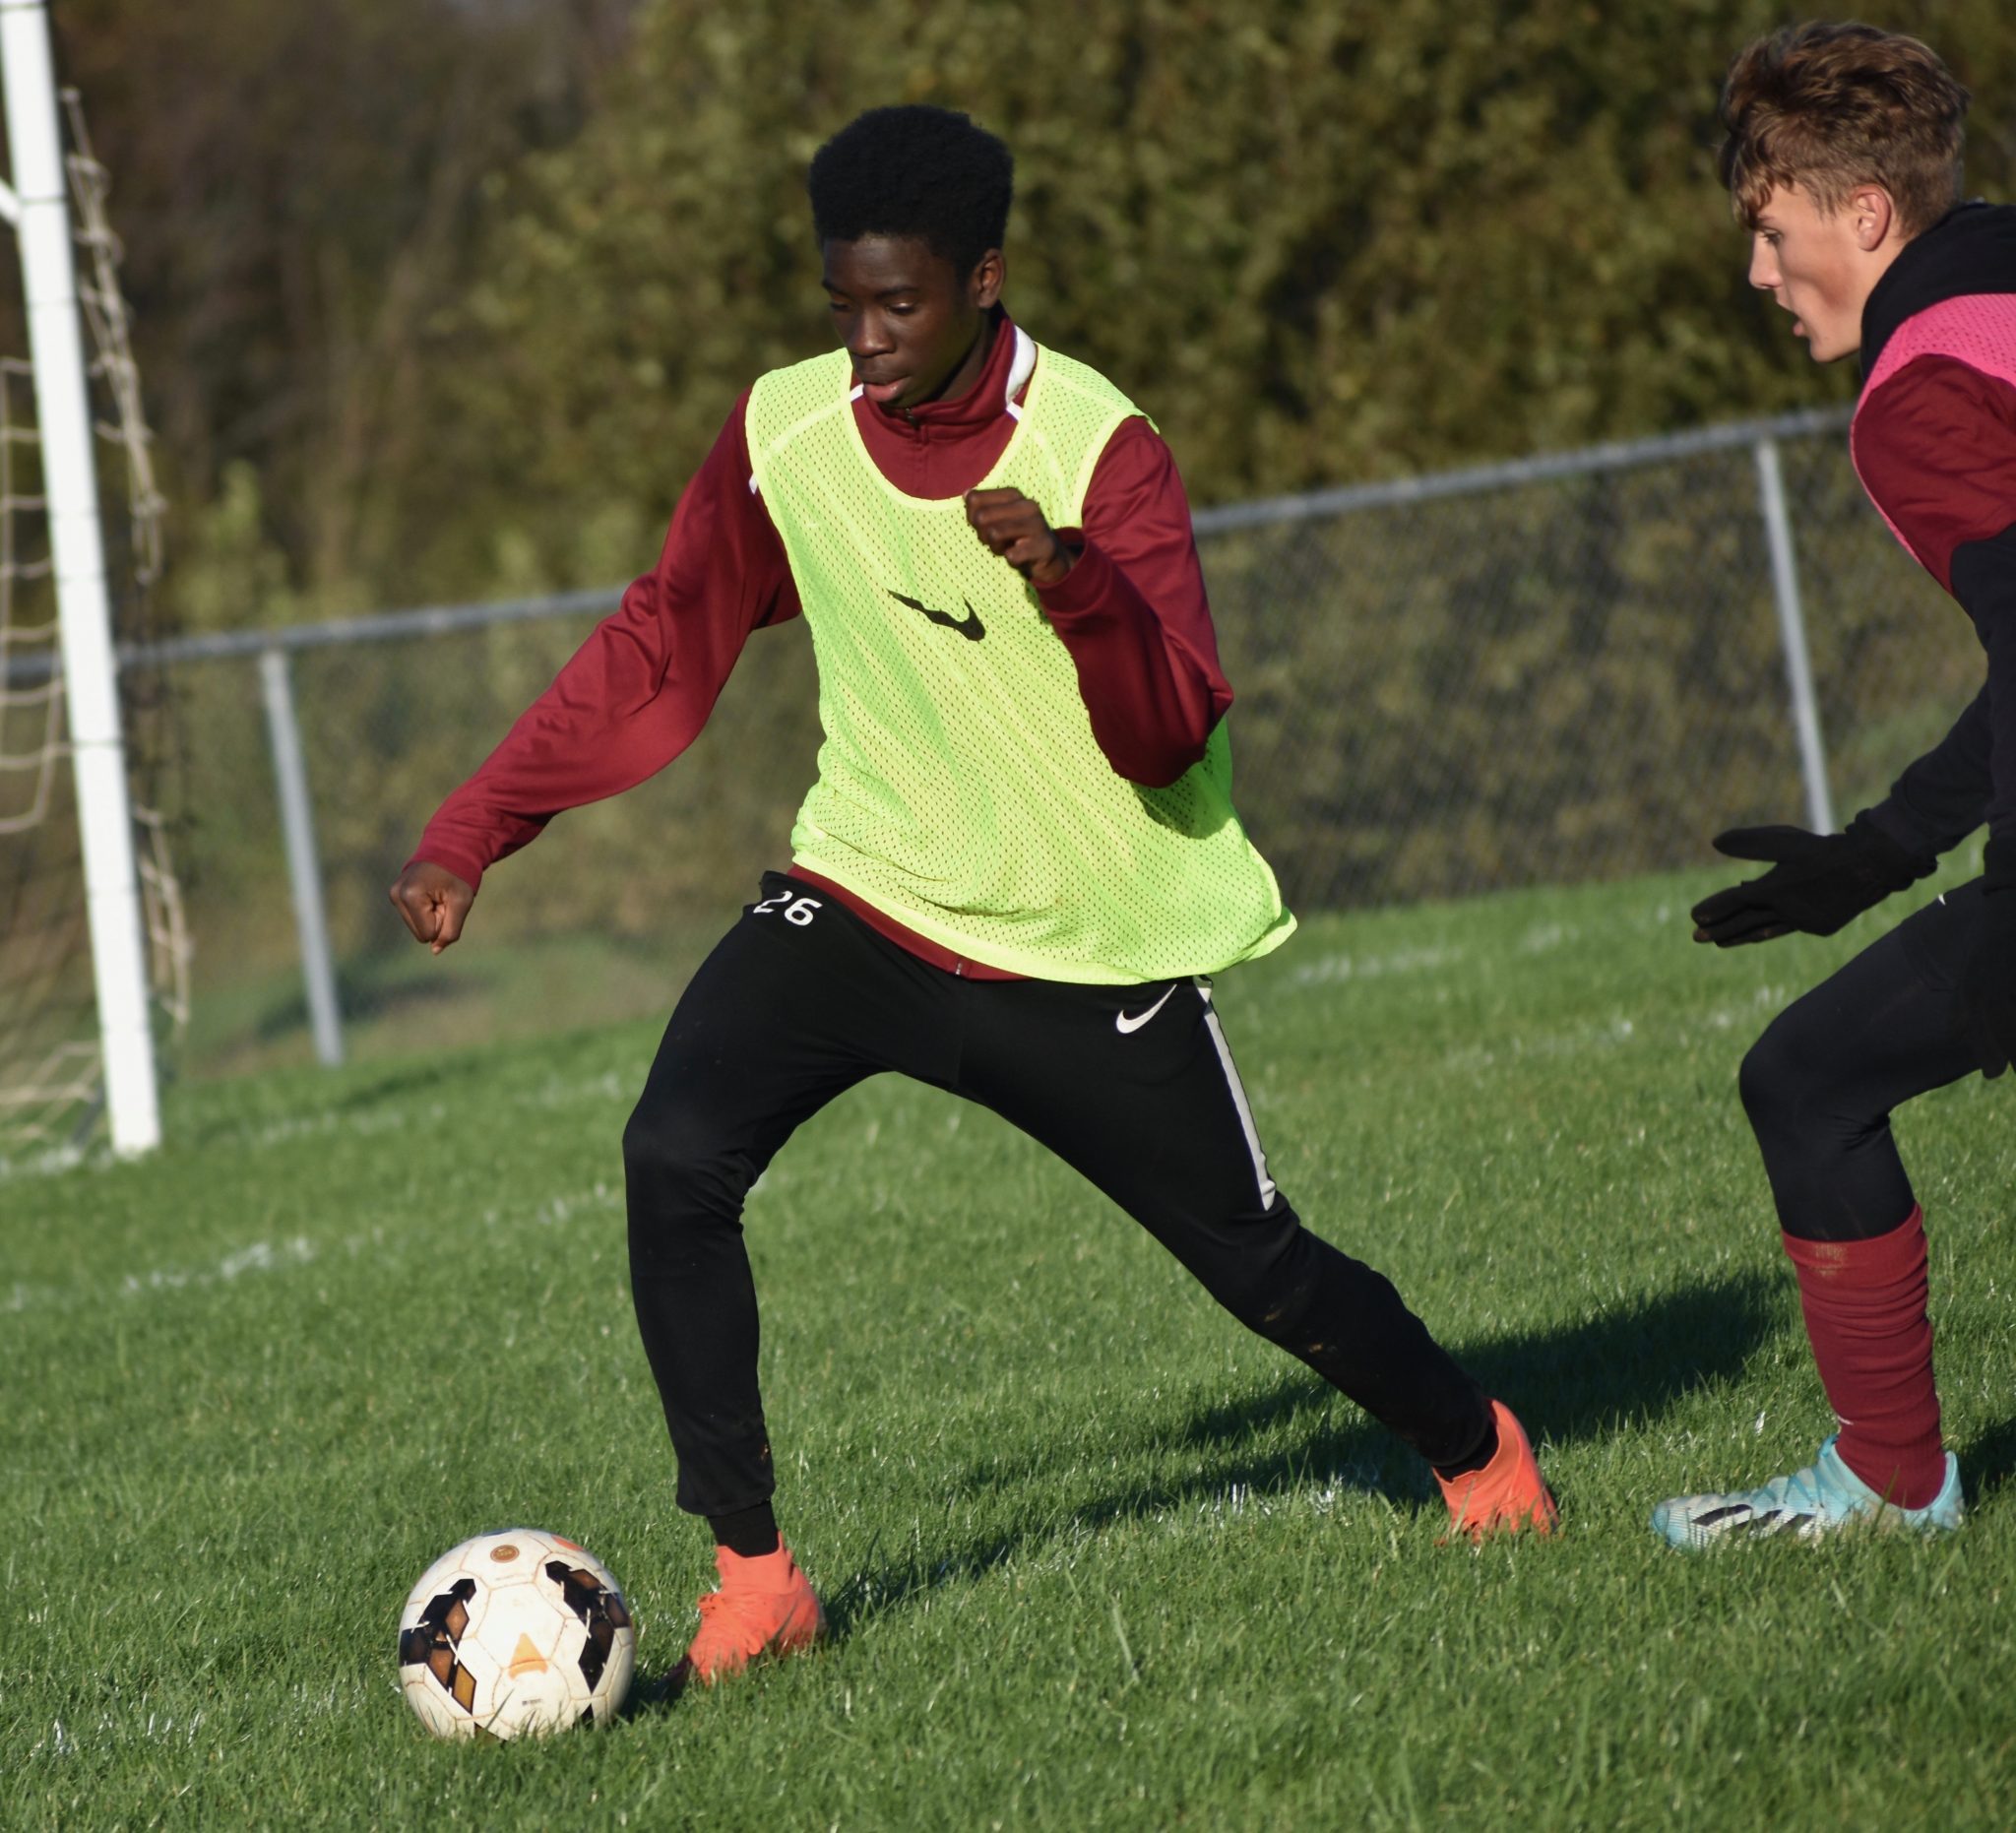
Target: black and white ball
x=514, y=1635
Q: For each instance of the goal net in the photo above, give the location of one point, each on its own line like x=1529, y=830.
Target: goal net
x=51, y=1070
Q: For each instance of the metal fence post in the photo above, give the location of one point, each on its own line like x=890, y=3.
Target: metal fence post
x=304, y=869
x=1792, y=630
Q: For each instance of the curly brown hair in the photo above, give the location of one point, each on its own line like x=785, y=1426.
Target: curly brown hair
x=1829, y=107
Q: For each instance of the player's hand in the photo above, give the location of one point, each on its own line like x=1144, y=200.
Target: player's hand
x=433, y=902
x=1011, y=526
x=1818, y=883
x=1985, y=998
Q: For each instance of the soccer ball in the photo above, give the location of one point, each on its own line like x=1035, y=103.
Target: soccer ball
x=514, y=1635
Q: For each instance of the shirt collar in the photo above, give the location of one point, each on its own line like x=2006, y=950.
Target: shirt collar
x=1003, y=376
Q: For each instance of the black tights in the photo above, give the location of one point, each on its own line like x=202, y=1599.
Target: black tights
x=1820, y=1084
x=1132, y=1086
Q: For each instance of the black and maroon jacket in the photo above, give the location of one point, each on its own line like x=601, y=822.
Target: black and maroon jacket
x=1934, y=442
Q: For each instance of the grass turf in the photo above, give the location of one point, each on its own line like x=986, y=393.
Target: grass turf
x=1094, y=1556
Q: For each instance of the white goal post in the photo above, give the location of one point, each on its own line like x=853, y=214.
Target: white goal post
x=37, y=202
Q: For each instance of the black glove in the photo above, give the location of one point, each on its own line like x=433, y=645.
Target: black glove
x=1985, y=1000
x=1818, y=883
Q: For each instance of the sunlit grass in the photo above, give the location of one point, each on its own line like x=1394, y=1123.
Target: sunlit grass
x=1094, y=1556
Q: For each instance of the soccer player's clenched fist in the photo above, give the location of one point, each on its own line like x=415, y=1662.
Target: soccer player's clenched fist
x=1013, y=527
x=432, y=902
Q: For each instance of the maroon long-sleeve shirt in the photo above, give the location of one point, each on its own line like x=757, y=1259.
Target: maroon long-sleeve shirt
x=1132, y=612
x=1934, y=440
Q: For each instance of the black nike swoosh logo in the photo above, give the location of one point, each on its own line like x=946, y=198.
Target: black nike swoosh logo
x=968, y=626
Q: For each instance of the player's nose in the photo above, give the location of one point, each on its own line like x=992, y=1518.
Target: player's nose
x=868, y=338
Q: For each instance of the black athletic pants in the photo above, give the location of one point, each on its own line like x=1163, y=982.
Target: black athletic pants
x=1133, y=1085
x=1820, y=1084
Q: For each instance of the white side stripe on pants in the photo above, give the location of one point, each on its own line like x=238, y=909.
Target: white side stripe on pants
x=1232, y=1076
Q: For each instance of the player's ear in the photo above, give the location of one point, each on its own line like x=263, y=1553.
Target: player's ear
x=988, y=277
x=1874, y=214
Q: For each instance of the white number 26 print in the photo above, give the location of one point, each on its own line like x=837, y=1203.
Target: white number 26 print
x=798, y=910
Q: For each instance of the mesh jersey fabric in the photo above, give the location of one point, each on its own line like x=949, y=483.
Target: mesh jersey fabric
x=1975, y=329
x=961, y=790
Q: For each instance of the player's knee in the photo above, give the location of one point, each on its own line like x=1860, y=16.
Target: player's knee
x=1777, y=1080
x=1800, y=1091
x=675, y=1170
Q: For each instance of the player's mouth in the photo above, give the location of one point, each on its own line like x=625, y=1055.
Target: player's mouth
x=884, y=394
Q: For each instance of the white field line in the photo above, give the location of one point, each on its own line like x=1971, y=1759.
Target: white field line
x=299, y=1250
x=1740, y=1017
x=612, y=1086
x=52, y=1162
x=1581, y=1041
x=115, y=1731
x=1329, y=969
x=1765, y=1001
x=256, y=1257
x=1539, y=938
x=1338, y=1499
x=1335, y=1499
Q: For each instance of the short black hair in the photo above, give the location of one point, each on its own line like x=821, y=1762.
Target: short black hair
x=914, y=171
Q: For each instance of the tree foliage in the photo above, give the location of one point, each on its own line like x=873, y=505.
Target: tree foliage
x=1317, y=242
x=445, y=298
x=470, y=286
x=298, y=188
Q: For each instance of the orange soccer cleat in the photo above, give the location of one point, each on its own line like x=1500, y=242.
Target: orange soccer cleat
x=765, y=1606
x=1508, y=1495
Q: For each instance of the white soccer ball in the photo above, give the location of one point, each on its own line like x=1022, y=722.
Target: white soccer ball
x=513, y=1635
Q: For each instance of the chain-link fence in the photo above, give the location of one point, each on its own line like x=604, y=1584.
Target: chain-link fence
x=1561, y=671
x=1575, y=670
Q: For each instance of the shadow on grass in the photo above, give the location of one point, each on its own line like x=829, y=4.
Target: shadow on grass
x=1989, y=1461
x=1608, y=1373
x=1627, y=1367
x=367, y=987
x=358, y=1093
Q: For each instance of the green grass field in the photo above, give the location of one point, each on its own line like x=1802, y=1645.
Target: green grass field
x=1094, y=1557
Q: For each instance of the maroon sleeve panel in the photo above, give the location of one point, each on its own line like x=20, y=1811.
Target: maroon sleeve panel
x=1134, y=615
x=638, y=691
x=1936, y=447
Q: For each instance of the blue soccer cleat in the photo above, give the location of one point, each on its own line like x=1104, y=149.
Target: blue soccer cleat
x=1825, y=1498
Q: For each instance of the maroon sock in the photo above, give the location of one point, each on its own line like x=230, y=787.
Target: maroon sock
x=1866, y=1312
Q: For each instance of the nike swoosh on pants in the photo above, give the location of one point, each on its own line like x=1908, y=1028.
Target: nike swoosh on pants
x=1125, y=1022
